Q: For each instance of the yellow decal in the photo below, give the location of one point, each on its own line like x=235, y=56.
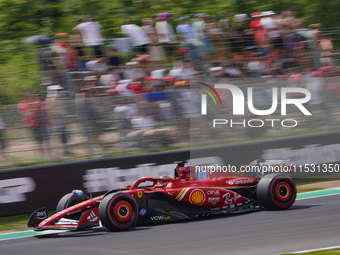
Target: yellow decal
x=140, y=194
x=197, y=197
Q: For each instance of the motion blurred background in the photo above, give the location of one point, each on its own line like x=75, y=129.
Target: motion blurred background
x=63, y=101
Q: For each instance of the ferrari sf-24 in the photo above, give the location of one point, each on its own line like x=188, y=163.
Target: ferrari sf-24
x=160, y=199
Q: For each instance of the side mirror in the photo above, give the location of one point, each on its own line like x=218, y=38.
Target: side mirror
x=128, y=186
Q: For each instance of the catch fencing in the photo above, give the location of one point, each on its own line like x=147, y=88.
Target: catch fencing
x=108, y=123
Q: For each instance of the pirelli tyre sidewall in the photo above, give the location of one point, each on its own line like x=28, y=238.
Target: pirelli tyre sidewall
x=276, y=192
x=118, y=211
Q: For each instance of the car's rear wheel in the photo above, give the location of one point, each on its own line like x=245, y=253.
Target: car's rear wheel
x=118, y=211
x=276, y=192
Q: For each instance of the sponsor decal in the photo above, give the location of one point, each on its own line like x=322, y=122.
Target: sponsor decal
x=78, y=192
x=197, y=197
x=230, y=198
x=92, y=217
x=160, y=218
x=246, y=181
x=213, y=192
x=142, y=212
x=201, y=173
x=231, y=183
x=41, y=215
x=89, y=216
x=14, y=190
x=140, y=194
x=213, y=200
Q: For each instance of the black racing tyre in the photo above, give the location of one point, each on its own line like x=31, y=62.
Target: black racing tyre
x=276, y=192
x=118, y=211
x=70, y=200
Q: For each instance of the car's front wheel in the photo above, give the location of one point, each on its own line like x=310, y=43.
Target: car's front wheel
x=118, y=211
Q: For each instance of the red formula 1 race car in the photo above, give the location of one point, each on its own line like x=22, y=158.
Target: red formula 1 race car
x=152, y=200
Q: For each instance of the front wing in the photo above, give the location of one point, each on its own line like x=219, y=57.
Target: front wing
x=79, y=216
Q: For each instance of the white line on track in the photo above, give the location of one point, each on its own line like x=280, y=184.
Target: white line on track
x=320, y=249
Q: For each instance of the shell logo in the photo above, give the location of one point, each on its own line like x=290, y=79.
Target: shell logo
x=197, y=197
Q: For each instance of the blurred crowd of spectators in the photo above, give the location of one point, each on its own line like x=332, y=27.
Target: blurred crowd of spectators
x=147, y=121
x=152, y=84
x=267, y=43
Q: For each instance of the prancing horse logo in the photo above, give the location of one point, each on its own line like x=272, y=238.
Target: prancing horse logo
x=140, y=194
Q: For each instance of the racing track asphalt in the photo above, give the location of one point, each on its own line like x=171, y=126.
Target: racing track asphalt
x=311, y=223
